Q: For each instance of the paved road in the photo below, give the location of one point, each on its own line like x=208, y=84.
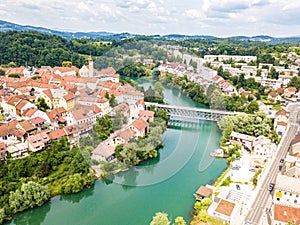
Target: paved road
x=264, y=196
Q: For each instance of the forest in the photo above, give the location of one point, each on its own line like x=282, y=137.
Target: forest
x=33, y=180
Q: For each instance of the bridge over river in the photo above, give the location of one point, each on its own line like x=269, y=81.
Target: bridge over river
x=190, y=114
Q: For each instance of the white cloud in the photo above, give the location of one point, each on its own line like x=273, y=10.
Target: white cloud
x=215, y=17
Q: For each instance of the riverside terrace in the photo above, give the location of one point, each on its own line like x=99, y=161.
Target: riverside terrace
x=187, y=113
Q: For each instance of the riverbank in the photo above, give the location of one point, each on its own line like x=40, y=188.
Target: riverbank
x=161, y=182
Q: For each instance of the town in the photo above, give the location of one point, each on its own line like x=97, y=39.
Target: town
x=114, y=124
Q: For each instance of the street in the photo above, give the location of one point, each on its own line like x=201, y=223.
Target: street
x=264, y=196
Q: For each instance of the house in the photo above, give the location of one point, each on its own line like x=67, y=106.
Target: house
x=10, y=132
x=263, y=146
x=56, y=117
x=38, y=142
x=84, y=114
x=224, y=210
x=286, y=200
x=57, y=134
x=56, y=98
x=284, y=214
x=146, y=115
x=273, y=96
x=245, y=140
x=39, y=123
x=203, y=192
x=72, y=133
x=290, y=92
x=296, y=144
x=28, y=127
x=104, y=151
x=280, y=121
x=3, y=151
x=17, y=149
x=123, y=137
x=140, y=127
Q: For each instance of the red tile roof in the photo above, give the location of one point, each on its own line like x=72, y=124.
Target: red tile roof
x=140, y=124
x=204, y=192
x=37, y=120
x=225, y=207
x=55, y=134
x=147, y=113
x=286, y=214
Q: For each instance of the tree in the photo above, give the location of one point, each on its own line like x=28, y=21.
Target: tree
x=74, y=184
x=67, y=64
x=273, y=74
x=160, y=219
x=112, y=100
x=179, y=221
x=2, y=215
x=42, y=105
x=252, y=107
x=149, y=95
x=14, y=75
x=2, y=72
x=295, y=82
x=31, y=194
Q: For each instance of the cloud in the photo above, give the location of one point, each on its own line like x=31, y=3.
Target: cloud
x=215, y=17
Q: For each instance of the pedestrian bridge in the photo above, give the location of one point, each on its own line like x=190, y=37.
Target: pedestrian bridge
x=181, y=113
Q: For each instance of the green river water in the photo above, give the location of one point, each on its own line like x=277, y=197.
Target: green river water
x=165, y=184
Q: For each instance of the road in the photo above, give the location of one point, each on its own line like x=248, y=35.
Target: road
x=264, y=196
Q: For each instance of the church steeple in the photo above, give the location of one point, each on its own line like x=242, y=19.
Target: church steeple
x=91, y=67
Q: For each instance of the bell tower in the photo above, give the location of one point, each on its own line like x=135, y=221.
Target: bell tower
x=91, y=67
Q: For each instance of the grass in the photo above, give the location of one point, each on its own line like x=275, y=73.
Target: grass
x=277, y=107
x=214, y=221
x=221, y=177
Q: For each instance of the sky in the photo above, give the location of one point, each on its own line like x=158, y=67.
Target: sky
x=222, y=18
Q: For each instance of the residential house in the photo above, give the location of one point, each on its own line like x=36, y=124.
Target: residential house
x=39, y=123
x=203, y=192
x=38, y=142
x=140, y=127
x=263, y=146
x=3, y=151
x=104, y=151
x=28, y=127
x=123, y=137
x=296, y=144
x=56, y=98
x=57, y=117
x=284, y=214
x=286, y=200
x=17, y=149
x=72, y=133
x=290, y=92
x=224, y=210
x=243, y=139
x=280, y=121
x=146, y=115
x=66, y=71
x=57, y=134
x=10, y=132
x=274, y=96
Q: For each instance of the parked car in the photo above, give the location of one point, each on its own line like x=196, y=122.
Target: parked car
x=252, y=170
x=281, y=160
x=238, y=187
x=271, y=187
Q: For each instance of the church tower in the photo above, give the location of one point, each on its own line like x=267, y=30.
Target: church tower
x=91, y=67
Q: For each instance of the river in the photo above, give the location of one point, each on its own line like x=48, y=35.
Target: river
x=165, y=184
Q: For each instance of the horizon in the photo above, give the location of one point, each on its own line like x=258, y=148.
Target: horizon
x=154, y=34
x=219, y=18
